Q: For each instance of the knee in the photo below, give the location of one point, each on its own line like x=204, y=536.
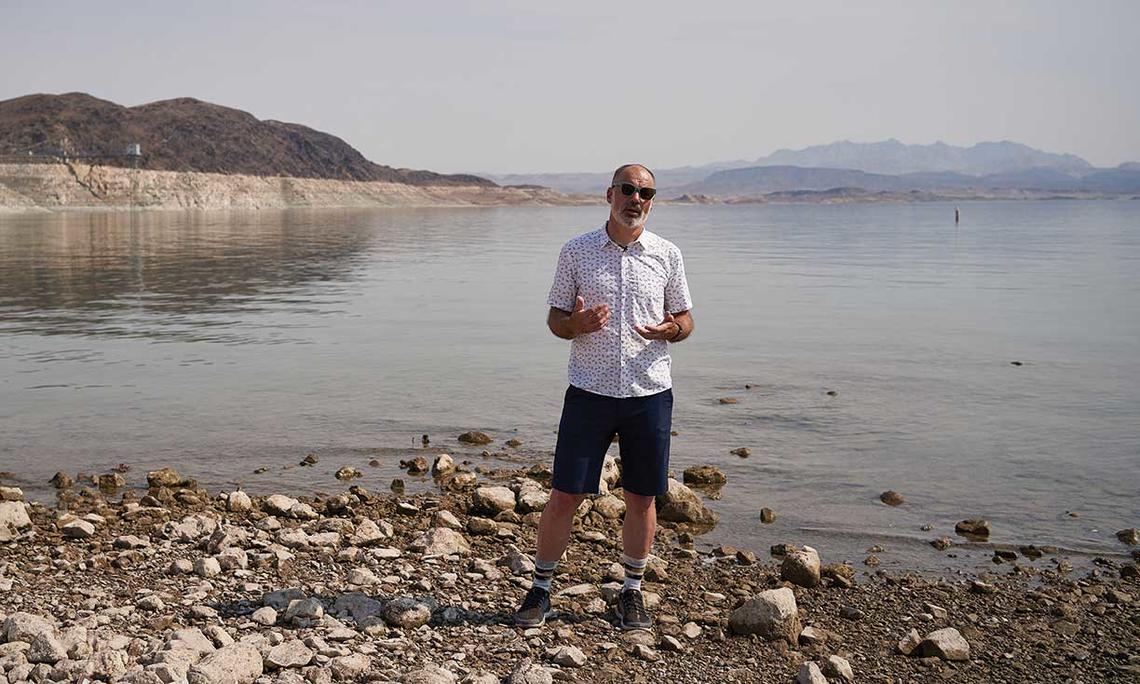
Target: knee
x=638, y=503
x=563, y=503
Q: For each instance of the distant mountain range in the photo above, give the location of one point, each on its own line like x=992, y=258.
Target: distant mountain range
x=882, y=166
x=185, y=134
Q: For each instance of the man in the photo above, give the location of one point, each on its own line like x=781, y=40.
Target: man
x=620, y=296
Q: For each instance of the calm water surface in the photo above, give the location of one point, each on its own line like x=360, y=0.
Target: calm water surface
x=221, y=342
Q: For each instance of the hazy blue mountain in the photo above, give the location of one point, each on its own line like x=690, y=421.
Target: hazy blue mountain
x=760, y=180
x=894, y=157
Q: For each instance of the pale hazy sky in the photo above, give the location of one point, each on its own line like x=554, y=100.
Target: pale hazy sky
x=520, y=86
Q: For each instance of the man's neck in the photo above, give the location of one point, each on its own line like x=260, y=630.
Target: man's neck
x=622, y=235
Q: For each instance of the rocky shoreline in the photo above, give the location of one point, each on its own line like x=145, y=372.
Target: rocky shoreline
x=178, y=584
x=77, y=186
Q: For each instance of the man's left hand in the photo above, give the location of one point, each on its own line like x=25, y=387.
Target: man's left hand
x=666, y=330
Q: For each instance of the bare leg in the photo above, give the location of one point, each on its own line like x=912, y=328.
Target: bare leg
x=555, y=523
x=639, y=526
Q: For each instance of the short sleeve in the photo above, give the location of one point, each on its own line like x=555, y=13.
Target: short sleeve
x=677, y=297
x=563, y=291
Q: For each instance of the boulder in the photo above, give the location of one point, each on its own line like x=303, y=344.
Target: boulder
x=168, y=478
x=62, y=480
x=529, y=672
x=445, y=518
x=349, y=667
x=568, y=656
x=946, y=644
x=771, y=614
x=238, y=663
x=801, y=567
x=836, y=668
x=532, y=497
x=809, y=673
x=264, y=616
x=366, y=534
x=681, y=504
x=46, y=648
x=291, y=653
x=78, y=529
x=348, y=473
x=14, y=520
x=974, y=528
x=304, y=609
x=358, y=606
x=407, y=612
x=443, y=465
x=280, y=599
x=704, y=475
x=891, y=498
x=493, y=500
x=25, y=627
x=238, y=502
x=475, y=437
x=441, y=541
x=430, y=674
x=609, y=506
x=278, y=504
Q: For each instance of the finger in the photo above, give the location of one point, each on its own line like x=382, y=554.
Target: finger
x=668, y=318
x=579, y=304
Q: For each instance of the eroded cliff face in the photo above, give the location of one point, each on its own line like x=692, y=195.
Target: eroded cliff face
x=31, y=187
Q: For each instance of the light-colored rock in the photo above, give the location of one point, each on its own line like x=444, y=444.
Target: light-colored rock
x=291, y=653
x=809, y=673
x=278, y=504
x=150, y=603
x=609, y=506
x=446, y=519
x=304, y=609
x=367, y=533
x=430, y=674
x=441, y=541
x=532, y=497
x=836, y=668
x=801, y=567
x=568, y=656
x=681, y=504
x=264, y=616
x=109, y=664
x=207, y=567
x=406, y=612
x=190, y=639
x=909, y=643
x=443, y=465
x=168, y=478
x=14, y=520
x=238, y=502
x=947, y=644
x=303, y=511
x=526, y=671
x=21, y=626
x=238, y=663
x=493, y=499
x=190, y=529
x=772, y=614
x=362, y=576
x=78, y=529
x=349, y=667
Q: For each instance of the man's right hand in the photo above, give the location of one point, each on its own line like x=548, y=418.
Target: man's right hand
x=584, y=321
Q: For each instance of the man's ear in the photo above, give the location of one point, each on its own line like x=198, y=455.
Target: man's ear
x=610, y=195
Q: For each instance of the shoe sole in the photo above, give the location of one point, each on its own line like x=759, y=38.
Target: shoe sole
x=536, y=623
x=629, y=625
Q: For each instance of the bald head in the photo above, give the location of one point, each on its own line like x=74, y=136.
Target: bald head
x=626, y=167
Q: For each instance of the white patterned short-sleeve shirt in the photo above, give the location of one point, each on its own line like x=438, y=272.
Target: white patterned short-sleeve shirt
x=639, y=284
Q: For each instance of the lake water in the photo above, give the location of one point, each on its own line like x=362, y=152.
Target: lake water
x=221, y=342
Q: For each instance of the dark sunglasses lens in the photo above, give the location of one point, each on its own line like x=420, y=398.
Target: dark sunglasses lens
x=628, y=189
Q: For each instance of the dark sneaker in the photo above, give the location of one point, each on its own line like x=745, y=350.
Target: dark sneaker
x=535, y=608
x=631, y=610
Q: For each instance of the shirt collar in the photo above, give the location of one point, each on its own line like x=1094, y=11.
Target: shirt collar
x=640, y=243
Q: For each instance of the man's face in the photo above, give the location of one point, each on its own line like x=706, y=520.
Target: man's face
x=630, y=211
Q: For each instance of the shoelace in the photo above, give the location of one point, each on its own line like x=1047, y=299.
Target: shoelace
x=632, y=605
x=533, y=599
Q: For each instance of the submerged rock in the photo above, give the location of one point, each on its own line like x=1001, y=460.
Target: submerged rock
x=475, y=437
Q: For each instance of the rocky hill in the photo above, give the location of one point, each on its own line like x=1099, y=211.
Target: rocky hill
x=185, y=134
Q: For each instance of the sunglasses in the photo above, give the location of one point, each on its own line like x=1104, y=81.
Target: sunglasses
x=628, y=189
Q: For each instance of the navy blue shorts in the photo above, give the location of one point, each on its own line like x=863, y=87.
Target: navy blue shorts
x=589, y=422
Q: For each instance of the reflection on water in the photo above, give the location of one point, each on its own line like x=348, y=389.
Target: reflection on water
x=222, y=342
